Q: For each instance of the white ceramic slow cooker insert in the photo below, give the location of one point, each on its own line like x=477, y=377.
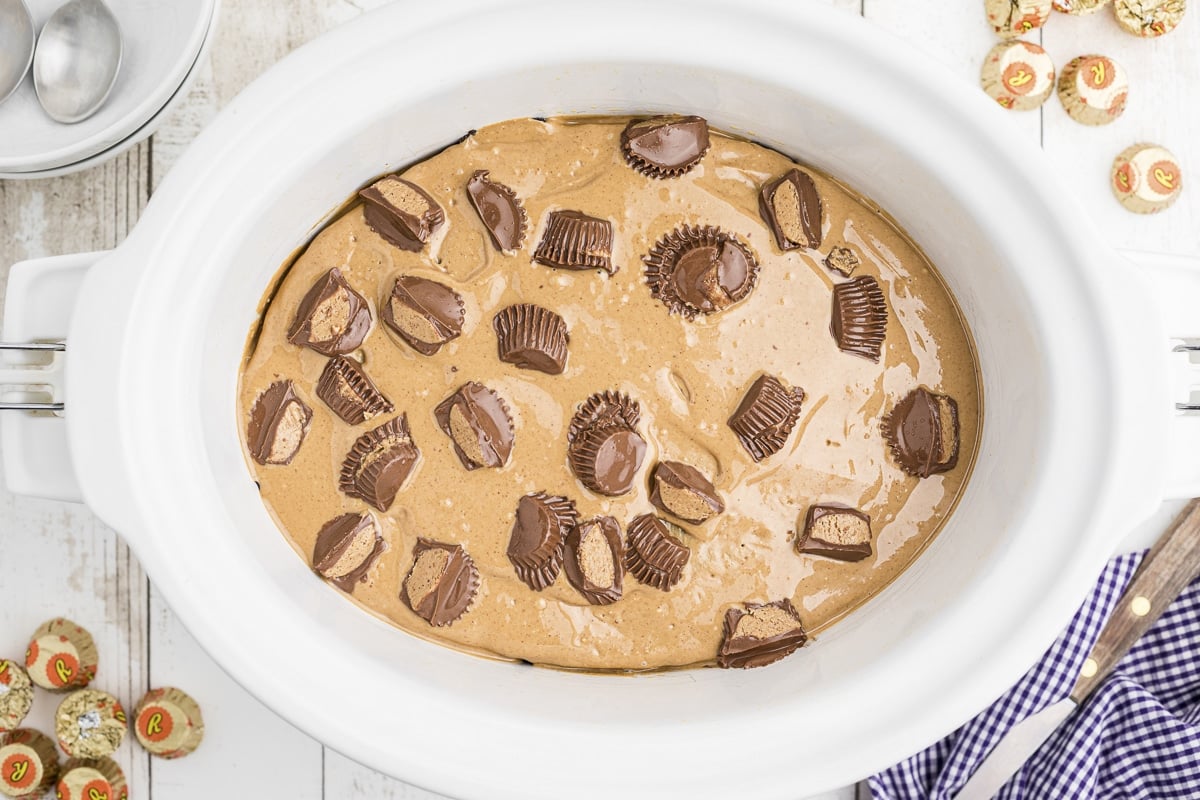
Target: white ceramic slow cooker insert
x=1079, y=432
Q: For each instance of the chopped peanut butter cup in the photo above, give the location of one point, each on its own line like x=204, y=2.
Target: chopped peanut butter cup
x=594, y=560
x=835, y=531
x=573, y=240
x=499, y=209
x=682, y=491
x=652, y=555
x=791, y=207
x=346, y=549
x=279, y=422
x=532, y=337
x=922, y=433
x=401, y=212
x=760, y=634
x=379, y=463
x=478, y=423
x=605, y=450
x=424, y=313
x=441, y=584
x=859, y=321
x=665, y=147
x=765, y=417
x=700, y=270
x=535, y=547
x=332, y=319
x=346, y=389
x=842, y=259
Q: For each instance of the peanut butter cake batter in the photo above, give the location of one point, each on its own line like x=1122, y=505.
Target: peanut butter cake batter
x=610, y=394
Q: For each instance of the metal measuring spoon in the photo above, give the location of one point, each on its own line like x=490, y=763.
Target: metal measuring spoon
x=16, y=45
x=77, y=60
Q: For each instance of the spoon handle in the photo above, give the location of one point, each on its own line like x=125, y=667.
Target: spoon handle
x=1167, y=569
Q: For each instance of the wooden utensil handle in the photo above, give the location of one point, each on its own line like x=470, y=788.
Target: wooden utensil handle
x=1167, y=569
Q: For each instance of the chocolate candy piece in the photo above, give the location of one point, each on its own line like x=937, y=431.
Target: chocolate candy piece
x=442, y=582
x=532, y=338
x=1018, y=75
x=765, y=417
x=478, y=423
x=379, y=463
x=1146, y=178
x=652, y=555
x=61, y=656
x=594, y=560
x=16, y=695
x=700, y=270
x=1012, y=18
x=278, y=424
x=665, y=147
x=759, y=634
x=859, y=322
x=1149, y=17
x=500, y=210
x=90, y=724
x=346, y=549
x=28, y=763
x=91, y=779
x=835, y=531
x=1093, y=89
x=1079, y=7
x=573, y=240
x=843, y=260
x=682, y=491
x=167, y=722
x=401, y=212
x=791, y=207
x=424, y=313
x=536, y=545
x=332, y=319
x=605, y=450
x=345, y=388
x=922, y=432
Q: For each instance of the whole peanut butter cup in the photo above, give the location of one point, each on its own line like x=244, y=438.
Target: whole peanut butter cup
x=279, y=421
x=604, y=448
x=574, y=240
x=499, y=210
x=332, y=319
x=666, y=146
x=346, y=549
x=379, y=463
x=532, y=337
x=759, y=634
x=791, y=206
x=478, y=423
x=859, y=321
x=765, y=417
x=695, y=271
x=922, y=433
x=349, y=392
x=594, y=560
x=535, y=547
x=441, y=584
x=835, y=531
x=401, y=212
x=424, y=313
x=653, y=555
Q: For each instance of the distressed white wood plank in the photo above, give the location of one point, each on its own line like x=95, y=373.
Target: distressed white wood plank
x=58, y=559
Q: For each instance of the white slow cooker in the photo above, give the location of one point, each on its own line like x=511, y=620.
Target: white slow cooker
x=1080, y=438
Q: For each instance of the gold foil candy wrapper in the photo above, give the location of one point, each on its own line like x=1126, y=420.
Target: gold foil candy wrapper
x=1018, y=75
x=28, y=763
x=61, y=656
x=1011, y=18
x=91, y=779
x=1149, y=18
x=16, y=695
x=1079, y=7
x=1093, y=89
x=167, y=722
x=90, y=724
x=1146, y=178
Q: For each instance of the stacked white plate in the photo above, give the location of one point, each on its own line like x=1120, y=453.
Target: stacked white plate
x=165, y=42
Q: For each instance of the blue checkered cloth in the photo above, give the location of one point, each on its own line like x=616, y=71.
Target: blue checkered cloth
x=1137, y=736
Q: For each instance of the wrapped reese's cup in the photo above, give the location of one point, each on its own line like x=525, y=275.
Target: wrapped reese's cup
x=28, y=763
x=167, y=722
x=61, y=656
x=91, y=779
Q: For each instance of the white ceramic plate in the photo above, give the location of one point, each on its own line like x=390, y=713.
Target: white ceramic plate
x=162, y=41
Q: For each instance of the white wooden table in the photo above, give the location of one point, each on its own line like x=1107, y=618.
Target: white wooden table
x=58, y=559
